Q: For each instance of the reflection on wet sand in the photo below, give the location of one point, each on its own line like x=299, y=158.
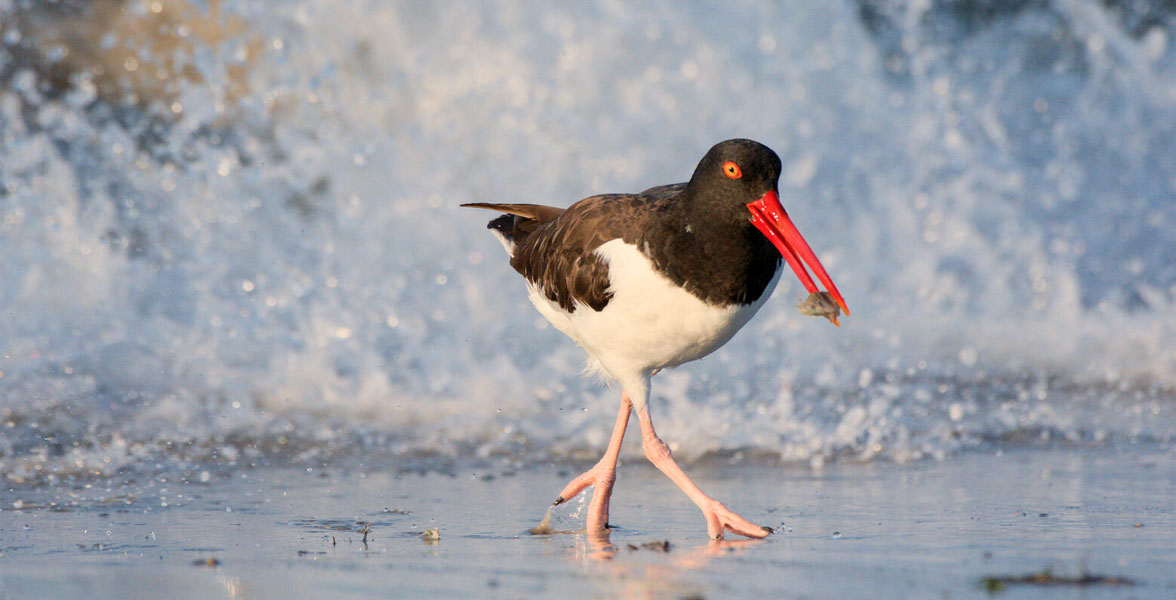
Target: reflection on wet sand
x=668, y=577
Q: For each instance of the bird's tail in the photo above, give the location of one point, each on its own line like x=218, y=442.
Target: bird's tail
x=535, y=212
x=518, y=222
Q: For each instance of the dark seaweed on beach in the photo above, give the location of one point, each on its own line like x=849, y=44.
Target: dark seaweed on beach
x=996, y=584
x=657, y=546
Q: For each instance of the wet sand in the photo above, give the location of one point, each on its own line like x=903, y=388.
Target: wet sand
x=923, y=530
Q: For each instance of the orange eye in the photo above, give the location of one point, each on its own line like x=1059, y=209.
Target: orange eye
x=732, y=170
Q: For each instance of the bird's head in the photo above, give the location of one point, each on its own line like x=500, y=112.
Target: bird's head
x=741, y=178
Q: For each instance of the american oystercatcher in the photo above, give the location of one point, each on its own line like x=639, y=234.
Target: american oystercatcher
x=653, y=280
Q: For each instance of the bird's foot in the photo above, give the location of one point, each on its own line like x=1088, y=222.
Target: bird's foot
x=601, y=477
x=720, y=519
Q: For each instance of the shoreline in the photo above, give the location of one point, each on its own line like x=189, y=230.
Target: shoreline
x=848, y=530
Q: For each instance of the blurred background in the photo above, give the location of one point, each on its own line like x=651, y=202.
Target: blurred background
x=229, y=231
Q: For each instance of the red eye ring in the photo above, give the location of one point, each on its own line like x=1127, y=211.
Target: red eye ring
x=732, y=170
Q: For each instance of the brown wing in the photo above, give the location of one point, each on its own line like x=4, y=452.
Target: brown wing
x=556, y=251
x=560, y=257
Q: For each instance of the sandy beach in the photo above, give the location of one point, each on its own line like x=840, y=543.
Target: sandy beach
x=922, y=530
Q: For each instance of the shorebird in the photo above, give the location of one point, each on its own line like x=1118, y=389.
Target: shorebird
x=649, y=281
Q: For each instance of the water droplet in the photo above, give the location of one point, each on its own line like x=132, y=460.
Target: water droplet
x=57, y=53
x=956, y=411
x=767, y=44
x=969, y=356
x=865, y=377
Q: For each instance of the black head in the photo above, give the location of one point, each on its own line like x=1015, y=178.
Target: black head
x=736, y=182
x=734, y=173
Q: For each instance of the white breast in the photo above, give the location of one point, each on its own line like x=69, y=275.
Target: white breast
x=650, y=323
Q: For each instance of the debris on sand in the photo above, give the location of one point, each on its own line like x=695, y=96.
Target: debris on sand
x=995, y=584
x=207, y=562
x=656, y=546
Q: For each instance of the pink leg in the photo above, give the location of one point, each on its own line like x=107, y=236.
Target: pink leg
x=602, y=475
x=718, y=517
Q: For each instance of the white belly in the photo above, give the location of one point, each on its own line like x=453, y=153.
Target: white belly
x=650, y=323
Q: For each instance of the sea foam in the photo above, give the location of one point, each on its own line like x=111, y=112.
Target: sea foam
x=237, y=240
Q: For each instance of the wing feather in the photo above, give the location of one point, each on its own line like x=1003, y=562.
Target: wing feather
x=555, y=249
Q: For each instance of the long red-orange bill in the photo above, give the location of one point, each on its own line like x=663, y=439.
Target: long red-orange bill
x=769, y=217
